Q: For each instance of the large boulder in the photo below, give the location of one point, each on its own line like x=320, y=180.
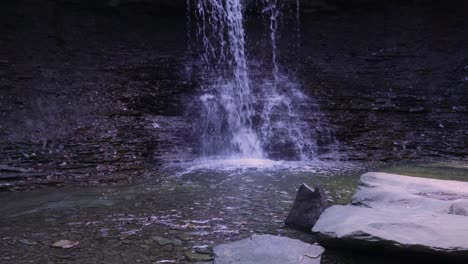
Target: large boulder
x=401, y=213
x=307, y=208
x=267, y=249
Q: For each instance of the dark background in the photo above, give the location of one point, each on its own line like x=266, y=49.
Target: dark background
x=83, y=83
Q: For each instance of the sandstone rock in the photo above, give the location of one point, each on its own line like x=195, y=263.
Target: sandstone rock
x=267, y=249
x=401, y=213
x=307, y=207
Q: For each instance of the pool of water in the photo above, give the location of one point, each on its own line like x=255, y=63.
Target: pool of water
x=182, y=211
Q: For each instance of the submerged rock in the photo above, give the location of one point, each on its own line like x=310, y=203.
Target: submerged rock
x=196, y=257
x=166, y=241
x=401, y=213
x=65, y=244
x=27, y=242
x=307, y=208
x=268, y=249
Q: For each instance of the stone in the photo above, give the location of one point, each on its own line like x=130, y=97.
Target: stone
x=6, y=168
x=144, y=246
x=166, y=241
x=27, y=242
x=307, y=208
x=148, y=241
x=268, y=249
x=401, y=213
x=196, y=257
x=65, y=244
x=459, y=208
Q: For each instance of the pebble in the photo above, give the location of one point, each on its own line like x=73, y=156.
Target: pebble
x=165, y=241
x=27, y=242
x=195, y=257
x=145, y=246
x=65, y=244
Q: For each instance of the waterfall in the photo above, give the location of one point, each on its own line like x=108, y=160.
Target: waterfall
x=272, y=10
x=244, y=117
x=226, y=125
x=286, y=125
x=298, y=23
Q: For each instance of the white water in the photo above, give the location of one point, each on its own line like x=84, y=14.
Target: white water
x=240, y=166
x=227, y=100
x=286, y=110
x=286, y=120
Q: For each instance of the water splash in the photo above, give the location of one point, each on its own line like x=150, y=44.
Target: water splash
x=246, y=166
x=285, y=124
x=287, y=120
x=238, y=116
x=227, y=101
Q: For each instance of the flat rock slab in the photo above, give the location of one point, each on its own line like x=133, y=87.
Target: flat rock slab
x=403, y=213
x=391, y=191
x=267, y=249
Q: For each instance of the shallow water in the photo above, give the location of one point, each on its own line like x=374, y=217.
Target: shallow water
x=185, y=208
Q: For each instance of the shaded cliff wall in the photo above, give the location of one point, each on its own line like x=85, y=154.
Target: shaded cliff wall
x=80, y=85
x=96, y=93
x=393, y=79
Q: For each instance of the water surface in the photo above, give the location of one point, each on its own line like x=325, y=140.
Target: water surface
x=185, y=208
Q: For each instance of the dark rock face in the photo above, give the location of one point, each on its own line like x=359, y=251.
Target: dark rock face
x=83, y=99
x=94, y=92
x=307, y=208
x=392, y=86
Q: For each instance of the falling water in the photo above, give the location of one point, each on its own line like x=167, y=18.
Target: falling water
x=298, y=23
x=283, y=118
x=227, y=100
x=271, y=9
x=287, y=122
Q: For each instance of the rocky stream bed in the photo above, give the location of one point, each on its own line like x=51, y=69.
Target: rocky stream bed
x=177, y=217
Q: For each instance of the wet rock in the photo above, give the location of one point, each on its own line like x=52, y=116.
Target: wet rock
x=183, y=237
x=459, y=208
x=27, y=242
x=165, y=241
x=307, y=208
x=402, y=213
x=65, y=244
x=6, y=168
x=267, y=249
x=144, y=246
x=197, y=257
x=148, y=241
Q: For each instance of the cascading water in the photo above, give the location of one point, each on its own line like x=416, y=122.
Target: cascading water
x=227, y=100
x=285, y=124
